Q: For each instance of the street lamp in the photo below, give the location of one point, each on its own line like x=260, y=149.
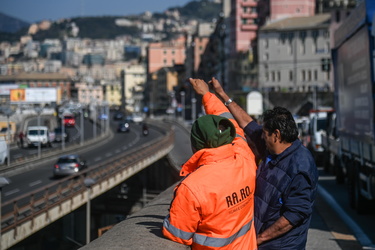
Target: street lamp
x=193, y=108
x=8, y=112
x=3, y=182
x=93, y=115
x=89, y=182
x=182, y=93
x=107, y=111
x=38, y=110
x=81, y=123
x=62, y=129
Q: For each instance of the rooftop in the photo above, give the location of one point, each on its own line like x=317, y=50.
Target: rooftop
x=295, y=23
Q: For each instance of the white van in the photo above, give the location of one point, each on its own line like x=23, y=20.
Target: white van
x=36, y=135
x=318, y=124
x=4, y=153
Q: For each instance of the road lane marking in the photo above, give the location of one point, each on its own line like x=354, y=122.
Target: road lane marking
x=97, y=158
x=35, y=183
x=12, y=192
x=108, y=154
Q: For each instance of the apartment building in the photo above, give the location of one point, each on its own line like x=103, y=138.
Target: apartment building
x=294, y=53
x=246, y=16
x=165, y=54
x=134, y=79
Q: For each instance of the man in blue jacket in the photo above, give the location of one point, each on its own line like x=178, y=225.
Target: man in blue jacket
x=287, y=176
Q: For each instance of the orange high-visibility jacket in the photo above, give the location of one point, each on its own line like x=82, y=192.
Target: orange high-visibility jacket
x=213, y=206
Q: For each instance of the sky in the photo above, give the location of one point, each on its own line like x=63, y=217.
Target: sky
x=37, y=10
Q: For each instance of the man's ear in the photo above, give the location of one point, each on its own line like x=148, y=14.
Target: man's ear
x=277, y=135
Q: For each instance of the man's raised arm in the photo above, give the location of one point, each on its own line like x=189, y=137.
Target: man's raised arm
x=238, y=113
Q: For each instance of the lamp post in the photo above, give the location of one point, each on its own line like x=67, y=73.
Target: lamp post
x=3, y=182
x=89, y=182
x=193, y=108
x=107, y=112
x=94, y=119
x=81, y=123
x=38, y=110
x=62, y=130
x=8, y=113
x=182, y=93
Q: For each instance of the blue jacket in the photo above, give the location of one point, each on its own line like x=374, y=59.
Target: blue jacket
x=286, y=186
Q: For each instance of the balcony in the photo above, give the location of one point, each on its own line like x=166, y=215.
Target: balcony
x=249, y=15
x=249, y=27
x=249, y=4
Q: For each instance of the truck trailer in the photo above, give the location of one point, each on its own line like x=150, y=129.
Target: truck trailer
x=353, y=67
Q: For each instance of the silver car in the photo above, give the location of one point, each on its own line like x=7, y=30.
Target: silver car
x=68, y=165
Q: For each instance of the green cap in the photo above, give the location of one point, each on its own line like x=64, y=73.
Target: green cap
x=212, y=131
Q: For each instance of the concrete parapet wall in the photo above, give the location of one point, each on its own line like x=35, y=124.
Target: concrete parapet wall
x=141, y=230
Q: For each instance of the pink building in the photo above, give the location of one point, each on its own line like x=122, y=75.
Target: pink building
x=291, y=8
x=166, y=54
x=244, y=21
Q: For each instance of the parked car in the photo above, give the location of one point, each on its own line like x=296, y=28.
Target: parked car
x=68, y=165
x=123, y=127
x=69, y=121
x=59, y=135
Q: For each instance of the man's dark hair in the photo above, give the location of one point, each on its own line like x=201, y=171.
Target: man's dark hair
x=280, y=118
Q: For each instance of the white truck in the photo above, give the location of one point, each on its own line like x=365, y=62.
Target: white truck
x=317, y=124
x=332, y=148
x=36, y=135
x=353, y=67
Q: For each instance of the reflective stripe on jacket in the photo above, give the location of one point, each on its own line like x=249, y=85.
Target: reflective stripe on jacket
x=213, y=206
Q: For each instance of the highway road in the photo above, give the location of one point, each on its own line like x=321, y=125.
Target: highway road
x=42, y=174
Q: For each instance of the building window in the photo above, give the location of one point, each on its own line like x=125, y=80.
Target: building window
x=283, y=37
x=278, y=76
x=303, y=75
x=273, y=76
x=315, y=75
x=165, y=61
x=244, y=9
x=165, y=52
x=290, y=75
x=253, y=10
x=266, y=76
x=327, y=48
x=315, y=34
x=290, y=50
x=309, y=76
x=265, y=43
x=265, y=56
x=243, y=20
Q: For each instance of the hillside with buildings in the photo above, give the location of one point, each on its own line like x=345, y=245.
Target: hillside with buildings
x=140, y=63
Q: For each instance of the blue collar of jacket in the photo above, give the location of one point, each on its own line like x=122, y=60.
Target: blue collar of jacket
x=277, y=158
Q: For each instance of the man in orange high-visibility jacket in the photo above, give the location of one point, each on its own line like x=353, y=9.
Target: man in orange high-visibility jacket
x=213, y=205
